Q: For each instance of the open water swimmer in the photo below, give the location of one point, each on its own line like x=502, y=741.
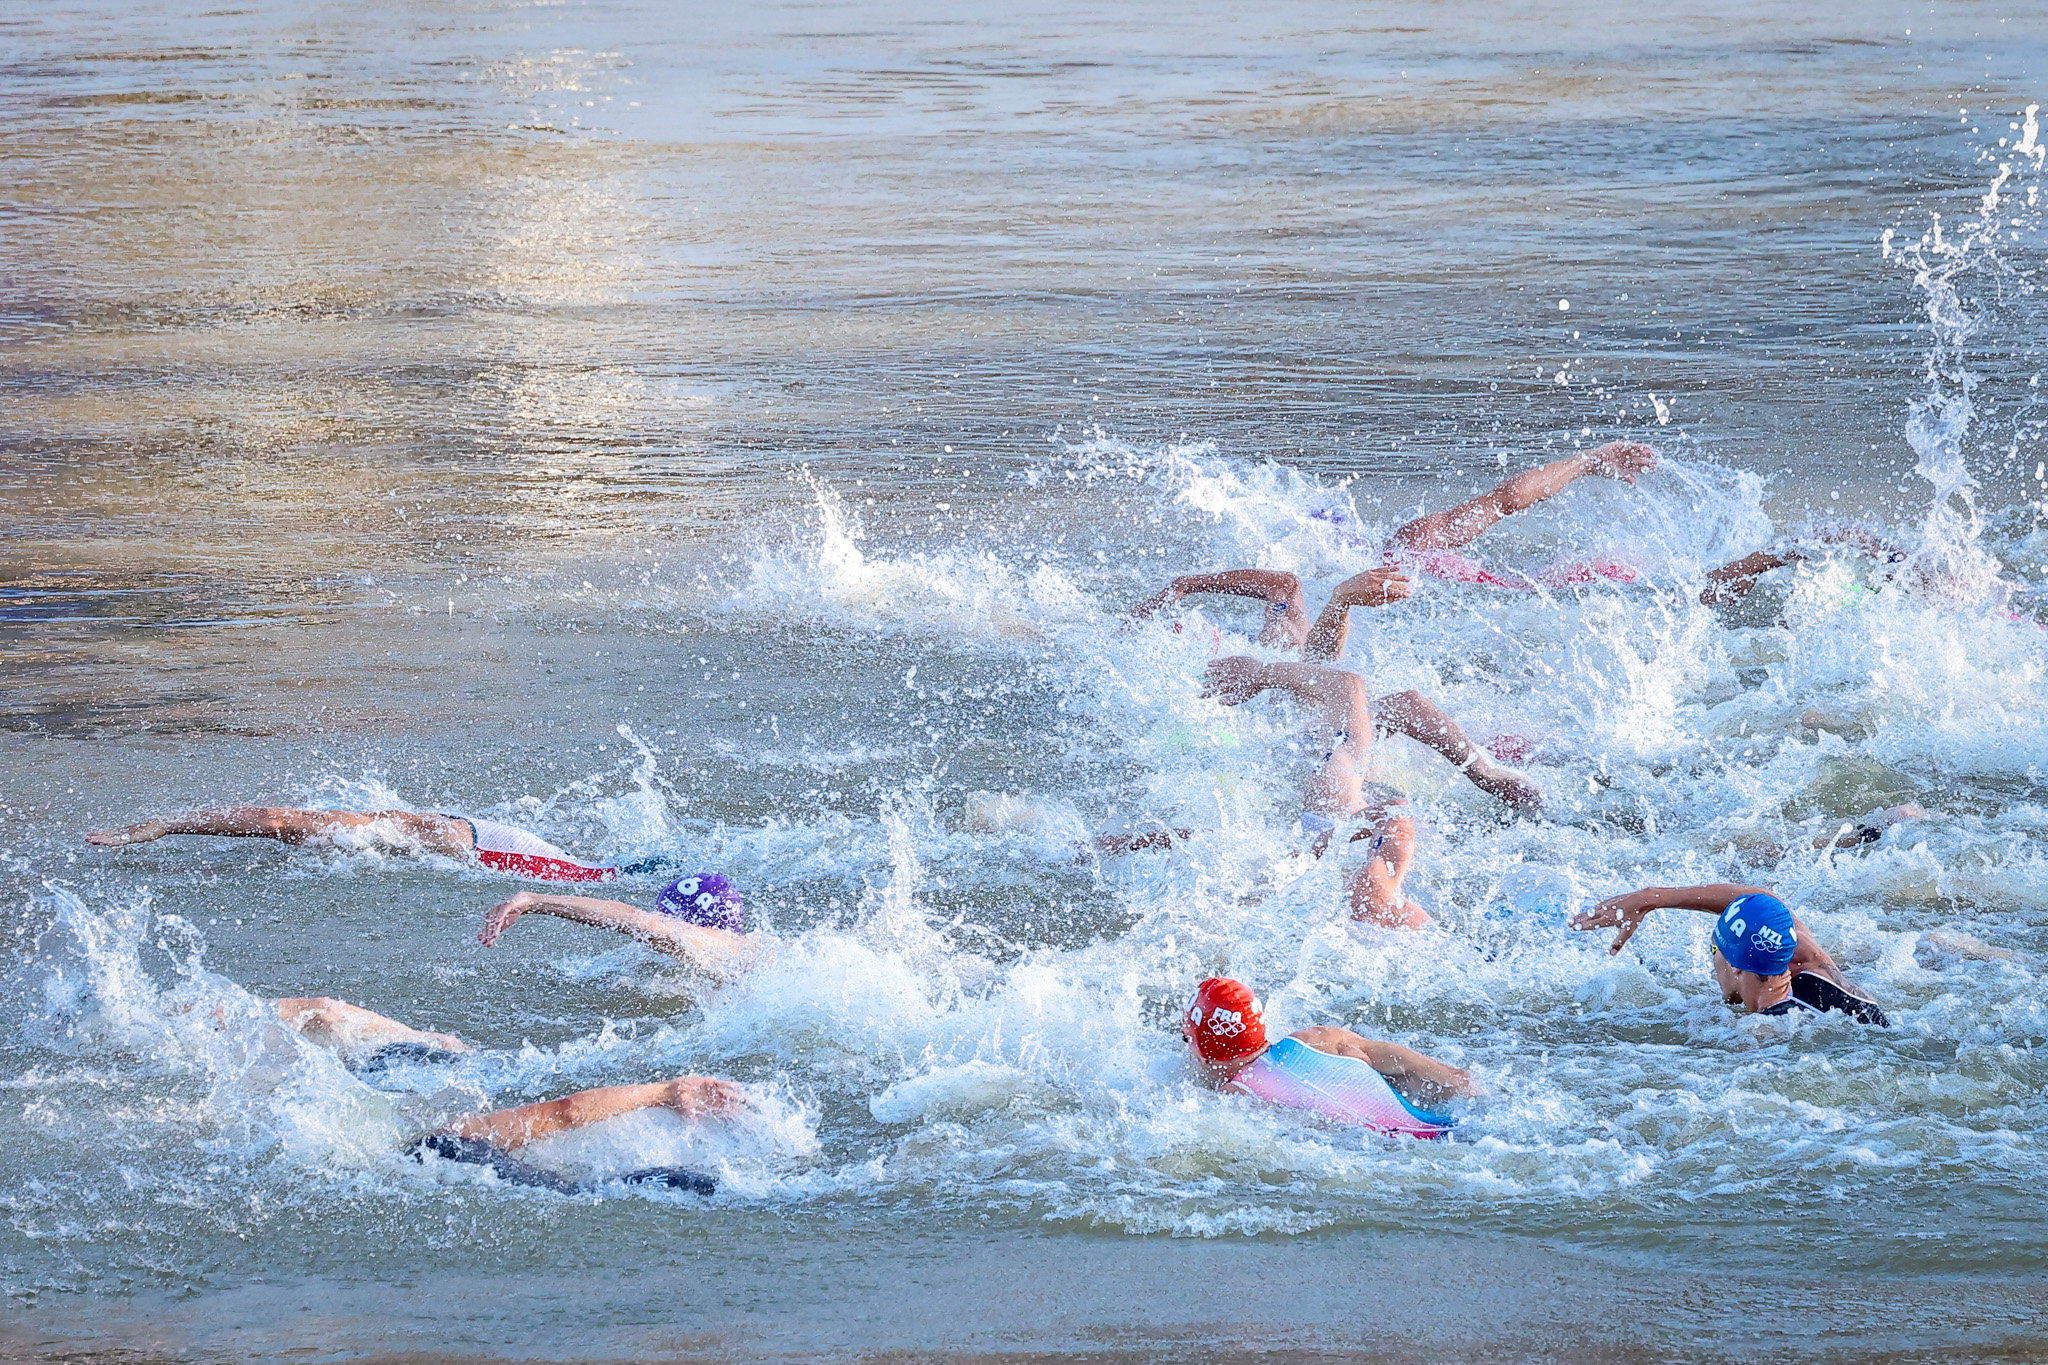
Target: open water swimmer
x=1764, y=960
x=699, y=920
x=1324, y=1069
x=494, y=1140
x=1428, y=545
x=485, y=843
x=1337, y=794
x=1407, y=713
x=620, y=586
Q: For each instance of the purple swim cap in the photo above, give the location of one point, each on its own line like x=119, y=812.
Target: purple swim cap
x=704, y=898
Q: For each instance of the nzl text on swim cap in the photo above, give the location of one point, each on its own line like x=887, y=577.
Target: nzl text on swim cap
x=1755, y=934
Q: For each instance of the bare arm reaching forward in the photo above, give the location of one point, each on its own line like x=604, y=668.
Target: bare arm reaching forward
x=1461, y=525
x=1342, y=714
x=1373, y=588
x=1733, y=581
x=436, y=833
x=691, y=1096
x=1286, y=623
x=717, y=951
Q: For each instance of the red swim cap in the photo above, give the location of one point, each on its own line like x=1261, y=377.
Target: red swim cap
x=1223, y=1021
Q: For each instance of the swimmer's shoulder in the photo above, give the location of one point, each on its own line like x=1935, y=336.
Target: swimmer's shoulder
x=1821, y=994
x=1330, y=1039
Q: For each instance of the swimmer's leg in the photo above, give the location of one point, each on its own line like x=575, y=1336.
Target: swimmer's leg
x=670, y=1177
x=1419, y=718
x=437, y=833
x=1374, y=891
x=1464, y=523
x=338, y=1024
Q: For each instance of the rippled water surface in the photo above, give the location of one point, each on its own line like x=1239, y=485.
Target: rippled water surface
x=734, y=434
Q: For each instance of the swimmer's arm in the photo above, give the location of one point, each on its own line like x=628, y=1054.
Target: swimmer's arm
x=510, y=1129
x=1404, y=1067
x=1629, y=911
x=336, y=1023
x=714, y=950
x=1732, y=581
x=1267, y=585
x=289, y=825
x=1373, y=588
x=1337, y=696
x=1136, y=843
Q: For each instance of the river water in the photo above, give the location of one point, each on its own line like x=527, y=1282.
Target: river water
x=732, y=434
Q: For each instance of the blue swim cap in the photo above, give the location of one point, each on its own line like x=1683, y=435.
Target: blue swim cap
x=1754, y=934
x=704, y=898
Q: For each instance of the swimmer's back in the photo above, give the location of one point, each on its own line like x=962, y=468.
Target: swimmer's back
x=1297, y=1076
x=503, y=848
x=1815, y=993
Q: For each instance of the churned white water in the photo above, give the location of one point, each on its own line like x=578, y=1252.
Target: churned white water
x=645, y=540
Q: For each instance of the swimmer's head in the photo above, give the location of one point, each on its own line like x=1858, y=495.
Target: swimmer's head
x=1755, y=934
x=704, y=898
x=1224, y=1023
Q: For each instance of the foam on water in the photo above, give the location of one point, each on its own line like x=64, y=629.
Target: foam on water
x=918, y=1045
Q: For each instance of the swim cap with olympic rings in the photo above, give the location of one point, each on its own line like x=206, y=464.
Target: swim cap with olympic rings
x=1224, y=1021
x=1755, y=934
x=704, y=898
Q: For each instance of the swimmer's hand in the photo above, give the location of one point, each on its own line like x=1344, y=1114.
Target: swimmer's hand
x=702, y=1096
x=501, y=916
x=1373, y=588
x=1872, y=827
x=1235, y=680
x=1167, y=596
x=146, y=832
x=1628, y=912
x=1624, y=460
x=1860, y=538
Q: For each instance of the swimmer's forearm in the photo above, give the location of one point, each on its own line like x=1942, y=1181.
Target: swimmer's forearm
x=1710, y=900
x=1337, y=695
x=510, y=1129
x=699, y=944
x=1734, y=580
x=1331, y=632
x=1405, y=1065
x=1268, y=585
x=590, y=910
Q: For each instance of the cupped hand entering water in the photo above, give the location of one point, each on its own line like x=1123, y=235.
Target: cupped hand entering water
x=702, y=1096
x=1235, y=680
x=1373, y=588
x=1626, y=911
x=503, y=915
x=1624, y=460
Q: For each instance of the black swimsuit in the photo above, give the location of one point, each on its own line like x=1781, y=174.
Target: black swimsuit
x=1812, y=991
x=513, y=1171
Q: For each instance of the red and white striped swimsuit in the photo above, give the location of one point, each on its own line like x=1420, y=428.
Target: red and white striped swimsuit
x=505, y=849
